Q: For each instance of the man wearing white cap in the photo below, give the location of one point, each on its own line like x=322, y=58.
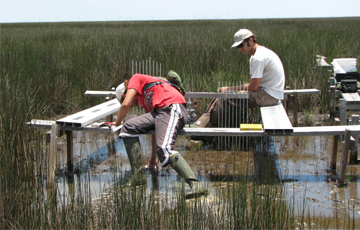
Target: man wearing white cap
x=266, y=81
x=166, y=114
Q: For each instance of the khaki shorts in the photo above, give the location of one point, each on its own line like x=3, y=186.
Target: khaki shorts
x=261, y=98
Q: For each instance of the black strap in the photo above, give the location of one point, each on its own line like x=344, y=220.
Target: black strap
x=163, y=81
x=152, y=84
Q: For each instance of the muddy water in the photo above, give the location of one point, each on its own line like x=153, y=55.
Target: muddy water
x=299, y=164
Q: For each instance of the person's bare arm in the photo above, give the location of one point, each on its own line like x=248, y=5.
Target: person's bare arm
x=125, y=106
x=253, y=85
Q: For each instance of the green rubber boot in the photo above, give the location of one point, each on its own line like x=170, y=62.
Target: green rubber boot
x=133, y=150
x=183, y=169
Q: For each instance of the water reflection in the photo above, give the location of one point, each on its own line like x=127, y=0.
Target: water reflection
x=298, y=164
x=307, y=159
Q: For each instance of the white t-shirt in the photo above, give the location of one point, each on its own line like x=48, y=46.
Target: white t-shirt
x=267, y=65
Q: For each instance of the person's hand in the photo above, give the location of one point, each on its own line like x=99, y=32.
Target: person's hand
x=114, y=129
x=114, y=123
x=153, y=163
x=223, y=89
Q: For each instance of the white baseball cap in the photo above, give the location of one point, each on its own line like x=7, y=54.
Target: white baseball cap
x=120, y=90
x=240, y=36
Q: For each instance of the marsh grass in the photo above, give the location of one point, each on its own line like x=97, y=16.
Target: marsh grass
x=238, y=205
x=46, y=68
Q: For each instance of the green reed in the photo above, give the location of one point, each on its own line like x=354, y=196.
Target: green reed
x=238, y=205
x=46, y=68
x=65, y=59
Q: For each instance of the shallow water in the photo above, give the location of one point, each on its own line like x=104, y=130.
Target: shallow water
x=299, y=164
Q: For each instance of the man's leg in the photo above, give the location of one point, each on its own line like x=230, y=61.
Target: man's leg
x=168, y=122
x=209, y=118
x=179, y=164
x=261, y=98
x=153, y=162
x=130, y=132
x=133, y=150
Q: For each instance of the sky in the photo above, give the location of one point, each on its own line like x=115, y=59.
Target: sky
x=13, y=11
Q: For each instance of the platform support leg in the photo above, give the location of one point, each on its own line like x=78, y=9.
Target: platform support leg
x=287, y=101
x=296, y=108
x=344, y=158
x=334, y=152
x=70, y=147
x=332, y=101
x=353, y=158
x=110, y=118
x=2, y=215
x=52, y=156
x=335, y=148
x=342, y=111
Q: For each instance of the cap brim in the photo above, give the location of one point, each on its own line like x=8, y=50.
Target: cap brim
x=236, y=44
x=120, y=90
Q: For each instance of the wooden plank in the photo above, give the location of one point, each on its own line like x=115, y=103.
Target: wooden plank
x=275, y=119
x=88, y=116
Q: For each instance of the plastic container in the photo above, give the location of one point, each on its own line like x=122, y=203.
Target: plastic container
x=337, y=68
x=343, y=65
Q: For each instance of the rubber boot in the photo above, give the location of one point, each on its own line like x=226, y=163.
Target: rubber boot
x=133, y=150
x=183, y=169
